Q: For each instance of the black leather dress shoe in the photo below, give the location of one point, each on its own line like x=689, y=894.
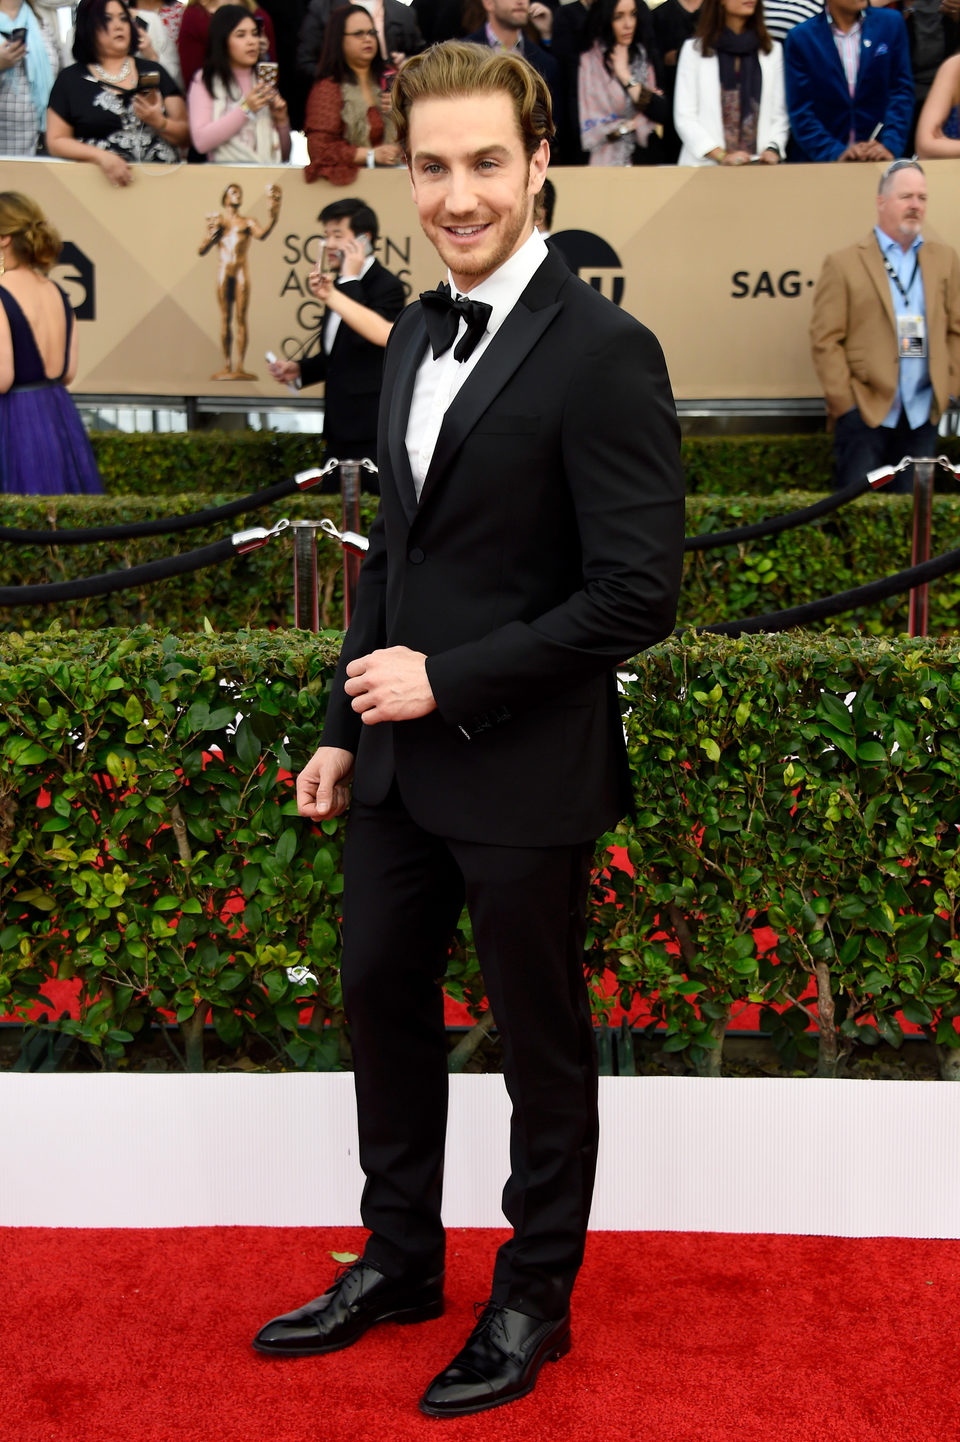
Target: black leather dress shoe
x=359, y=1298
x=499, y=1363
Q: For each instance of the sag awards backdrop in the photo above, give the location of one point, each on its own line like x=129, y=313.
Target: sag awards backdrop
x=185, y=279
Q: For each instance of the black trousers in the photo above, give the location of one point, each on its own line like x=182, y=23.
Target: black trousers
x=858, y=448
x=404, y=891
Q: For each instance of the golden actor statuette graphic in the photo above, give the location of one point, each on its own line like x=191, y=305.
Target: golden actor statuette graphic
x=232, y=233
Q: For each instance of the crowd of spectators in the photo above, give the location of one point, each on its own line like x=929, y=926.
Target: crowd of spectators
x=689, y=82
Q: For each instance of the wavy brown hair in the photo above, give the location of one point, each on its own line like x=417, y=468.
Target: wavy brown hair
x=713, y=20
x=457, y=68
x=33, y=239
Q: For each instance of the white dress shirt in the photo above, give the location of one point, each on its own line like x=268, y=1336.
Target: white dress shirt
x=438, y=381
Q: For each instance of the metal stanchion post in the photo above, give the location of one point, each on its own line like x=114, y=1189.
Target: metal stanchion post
x=306, y=580
x=922, y=511
x=350, y=521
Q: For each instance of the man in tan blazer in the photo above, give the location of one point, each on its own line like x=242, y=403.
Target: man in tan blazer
x=885, y=334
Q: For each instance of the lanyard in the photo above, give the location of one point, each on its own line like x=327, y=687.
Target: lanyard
x=896, y=279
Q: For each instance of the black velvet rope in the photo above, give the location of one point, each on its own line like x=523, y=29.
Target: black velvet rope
x=166, y=526
x=787, y=522
x=841, y=601
x=150, y=571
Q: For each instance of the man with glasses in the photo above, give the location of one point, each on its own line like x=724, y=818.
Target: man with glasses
x=395, y=22
x=885, y=334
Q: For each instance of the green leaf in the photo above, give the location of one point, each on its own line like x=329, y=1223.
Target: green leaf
x=871, y=751
x=247, y=744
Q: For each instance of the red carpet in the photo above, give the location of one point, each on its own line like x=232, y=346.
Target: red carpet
x=142, y=1336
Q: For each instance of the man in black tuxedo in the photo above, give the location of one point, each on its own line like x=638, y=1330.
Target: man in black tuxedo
x=350, y=364
x=529, y=539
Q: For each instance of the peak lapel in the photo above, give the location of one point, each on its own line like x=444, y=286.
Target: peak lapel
x=507, y=350
x=400, y=399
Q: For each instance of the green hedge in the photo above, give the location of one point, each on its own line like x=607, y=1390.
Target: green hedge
x=243, y=461
x=856, y=544
x=808, y=786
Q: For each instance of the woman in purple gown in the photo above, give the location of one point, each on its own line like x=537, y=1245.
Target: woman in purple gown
x=44, y=449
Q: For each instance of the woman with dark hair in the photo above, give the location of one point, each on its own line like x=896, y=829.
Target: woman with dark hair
x=111, y=107
x=619, y=98
x=44, y=449
x=235, y=117
x=194, y=33
x=729, y=107
x=28, y=65
x=348, y=123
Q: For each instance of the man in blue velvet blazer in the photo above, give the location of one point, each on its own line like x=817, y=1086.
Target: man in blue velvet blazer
x=827, y=121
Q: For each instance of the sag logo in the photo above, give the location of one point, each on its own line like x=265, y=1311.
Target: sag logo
x=594, y=260
x=76, y=273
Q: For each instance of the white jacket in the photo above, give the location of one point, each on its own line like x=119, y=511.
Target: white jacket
x=696, y=104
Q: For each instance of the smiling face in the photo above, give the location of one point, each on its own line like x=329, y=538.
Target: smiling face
x=623, y=22
x=113, y=37
x=359, y=42
x=472, y=182
x=902, y=206
x=243, y=44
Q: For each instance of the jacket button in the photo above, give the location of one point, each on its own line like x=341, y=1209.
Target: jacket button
x=416, y=555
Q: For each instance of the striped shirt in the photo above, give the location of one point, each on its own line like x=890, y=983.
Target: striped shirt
x=848, y=48
x=780, y=16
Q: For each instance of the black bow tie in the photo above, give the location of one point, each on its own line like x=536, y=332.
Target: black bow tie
x=442, y=313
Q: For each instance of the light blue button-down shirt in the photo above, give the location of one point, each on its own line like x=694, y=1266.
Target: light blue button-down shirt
x=914, y=392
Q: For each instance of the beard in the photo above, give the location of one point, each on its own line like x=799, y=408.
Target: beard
x=483, y=259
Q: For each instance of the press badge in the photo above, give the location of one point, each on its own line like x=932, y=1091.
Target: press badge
x=911, y=337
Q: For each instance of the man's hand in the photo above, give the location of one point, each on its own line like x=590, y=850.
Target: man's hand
x=323, y=786
x=390, y=685
x=352, y=258
x=284, y=371
x=541, y=17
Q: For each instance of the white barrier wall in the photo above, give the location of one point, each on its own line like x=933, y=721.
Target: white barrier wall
x=843, y=1158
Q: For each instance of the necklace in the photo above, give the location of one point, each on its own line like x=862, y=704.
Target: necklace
x=117, y=79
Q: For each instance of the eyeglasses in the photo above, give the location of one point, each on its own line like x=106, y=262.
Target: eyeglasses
x=359, y=34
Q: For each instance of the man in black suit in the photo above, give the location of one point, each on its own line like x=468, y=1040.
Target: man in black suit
x=351, y=365
x=504, y=30
x=529, y=539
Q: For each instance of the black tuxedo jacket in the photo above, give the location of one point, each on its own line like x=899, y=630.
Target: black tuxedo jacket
x=353, y=371
x=546, y=548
